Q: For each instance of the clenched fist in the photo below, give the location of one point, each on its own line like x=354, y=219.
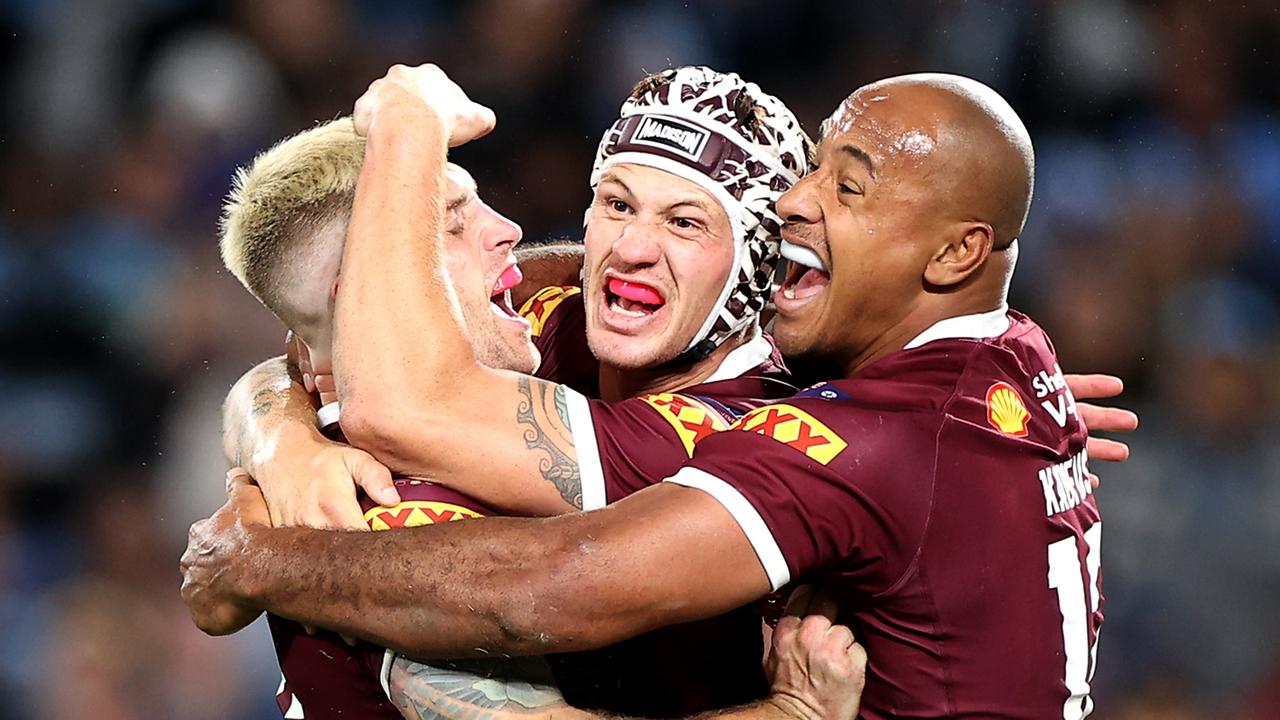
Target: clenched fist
x=425, y=86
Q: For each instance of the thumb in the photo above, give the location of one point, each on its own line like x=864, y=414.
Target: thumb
x=373, y=477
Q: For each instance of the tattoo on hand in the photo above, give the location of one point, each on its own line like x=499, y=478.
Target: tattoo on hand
x=263, y=401
x=545, y=413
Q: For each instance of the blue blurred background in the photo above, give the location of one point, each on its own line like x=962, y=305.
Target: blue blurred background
x=1153, y=252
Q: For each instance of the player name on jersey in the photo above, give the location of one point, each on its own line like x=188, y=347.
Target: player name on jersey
x=1066, y=484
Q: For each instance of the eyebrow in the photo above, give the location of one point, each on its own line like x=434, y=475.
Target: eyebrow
x=458, y=202
x=610, y=177
x=696, y=203
x=860, y=155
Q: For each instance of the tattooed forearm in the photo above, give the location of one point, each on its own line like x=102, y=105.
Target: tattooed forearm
x=544, y=414
x=477, y=690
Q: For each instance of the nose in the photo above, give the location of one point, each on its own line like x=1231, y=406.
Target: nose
x=502, y=234
x=800, y=203
x=637, y=246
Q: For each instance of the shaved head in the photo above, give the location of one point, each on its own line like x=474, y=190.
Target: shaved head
x=923, y=183
x=963, y=133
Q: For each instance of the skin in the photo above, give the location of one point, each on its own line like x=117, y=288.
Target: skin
x=667, y=554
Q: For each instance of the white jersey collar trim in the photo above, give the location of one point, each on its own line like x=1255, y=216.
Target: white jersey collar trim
x=743, y=358
x=978, y=326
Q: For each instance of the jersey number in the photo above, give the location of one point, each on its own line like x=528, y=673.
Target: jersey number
x=1076, y=606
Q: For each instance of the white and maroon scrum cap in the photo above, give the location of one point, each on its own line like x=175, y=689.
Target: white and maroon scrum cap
x=687, y=125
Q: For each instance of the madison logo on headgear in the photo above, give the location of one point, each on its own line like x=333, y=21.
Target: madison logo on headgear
x=414, y=513
x=1005, y=410
x=685, y=139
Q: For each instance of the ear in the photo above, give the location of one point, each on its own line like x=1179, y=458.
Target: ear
x=961, y=256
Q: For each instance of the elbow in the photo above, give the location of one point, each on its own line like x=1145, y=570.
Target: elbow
x=379, y=428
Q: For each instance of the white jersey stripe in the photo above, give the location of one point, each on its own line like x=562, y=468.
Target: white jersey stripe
x=584, y=443
x=749, y=519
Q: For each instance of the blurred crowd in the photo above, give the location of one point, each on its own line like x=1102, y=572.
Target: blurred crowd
x=1153, y=252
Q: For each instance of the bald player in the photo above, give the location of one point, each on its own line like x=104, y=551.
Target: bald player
x=938, y=484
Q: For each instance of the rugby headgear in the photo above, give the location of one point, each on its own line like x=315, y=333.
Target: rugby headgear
x=688, y=123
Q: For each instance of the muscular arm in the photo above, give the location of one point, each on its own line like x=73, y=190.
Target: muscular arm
x=412, y=390
x=668, y=554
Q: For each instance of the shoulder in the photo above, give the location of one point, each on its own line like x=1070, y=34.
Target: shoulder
x=542, y=305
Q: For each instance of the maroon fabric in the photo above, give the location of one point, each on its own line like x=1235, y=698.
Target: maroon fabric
x=935, y=523
x=328, y=677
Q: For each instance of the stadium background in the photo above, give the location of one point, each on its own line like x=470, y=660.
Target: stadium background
x=1153, y=252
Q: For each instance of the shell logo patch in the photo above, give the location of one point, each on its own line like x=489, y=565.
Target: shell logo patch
x=691, y=419
x=414, y=513
x=539, y=307
x=795, y=428
x=1005, y=410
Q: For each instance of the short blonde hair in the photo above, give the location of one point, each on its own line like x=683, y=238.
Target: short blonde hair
x=278, y=202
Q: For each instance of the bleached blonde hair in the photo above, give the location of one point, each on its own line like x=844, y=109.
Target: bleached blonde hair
x=276, y=206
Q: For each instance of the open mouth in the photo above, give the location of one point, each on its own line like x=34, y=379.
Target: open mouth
x=632, y=299
x=807, y=276
x=500, y=295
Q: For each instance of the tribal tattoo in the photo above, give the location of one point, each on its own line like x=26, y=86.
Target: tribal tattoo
x=476, y=690
x=545, y=414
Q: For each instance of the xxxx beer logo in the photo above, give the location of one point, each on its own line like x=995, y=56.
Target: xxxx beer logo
x=795, y=428
x=539, y=307
x=413, y=513
x=691, y=419
x=1005, y=410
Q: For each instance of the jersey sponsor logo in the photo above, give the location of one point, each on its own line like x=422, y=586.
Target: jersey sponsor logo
x=795, y=428
x=1054, y=395
x=691, y=419
x=538, y=308
x=1005, y=410
x=413, y=513
x=671, y=134
x=824, y=390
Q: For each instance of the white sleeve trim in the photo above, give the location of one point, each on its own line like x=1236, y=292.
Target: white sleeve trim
x=748, y=518
x=584, y=443
x=388, y=659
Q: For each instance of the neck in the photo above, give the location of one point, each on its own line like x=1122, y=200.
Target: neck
x=618, y=383
x=983, y=292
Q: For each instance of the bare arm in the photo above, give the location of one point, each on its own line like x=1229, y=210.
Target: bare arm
x=816, y=668
x=665, y=555
x=264, y=403
x=413, y=393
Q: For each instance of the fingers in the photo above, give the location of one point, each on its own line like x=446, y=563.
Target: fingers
x=798, y=603
x=373, y=477
x=1092, y=387
x=812, y=600
x=1107, y=450
x=1107, y=419
x=326, y=387
x=238, y=477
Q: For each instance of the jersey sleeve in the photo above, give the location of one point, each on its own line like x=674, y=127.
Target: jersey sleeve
x=557, y=320
x=626, y=446
x=810, y=498
x=421, y=503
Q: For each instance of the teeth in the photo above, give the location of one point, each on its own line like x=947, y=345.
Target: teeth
x=789, y=292
x=616, y=307
x=802, y=256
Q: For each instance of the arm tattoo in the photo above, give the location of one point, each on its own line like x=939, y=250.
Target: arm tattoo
x=544, y=413
x=474, y=689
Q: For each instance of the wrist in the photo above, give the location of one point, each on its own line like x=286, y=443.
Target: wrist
x=791, y=707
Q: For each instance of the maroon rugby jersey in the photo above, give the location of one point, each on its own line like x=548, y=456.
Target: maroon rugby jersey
x=943, y=494
x=623, y=447
x=324, y=677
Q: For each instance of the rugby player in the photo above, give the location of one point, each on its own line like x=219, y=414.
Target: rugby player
x=283, y=230
x=941, y=482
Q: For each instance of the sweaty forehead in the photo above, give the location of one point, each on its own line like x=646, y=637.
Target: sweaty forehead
x=887, y=124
